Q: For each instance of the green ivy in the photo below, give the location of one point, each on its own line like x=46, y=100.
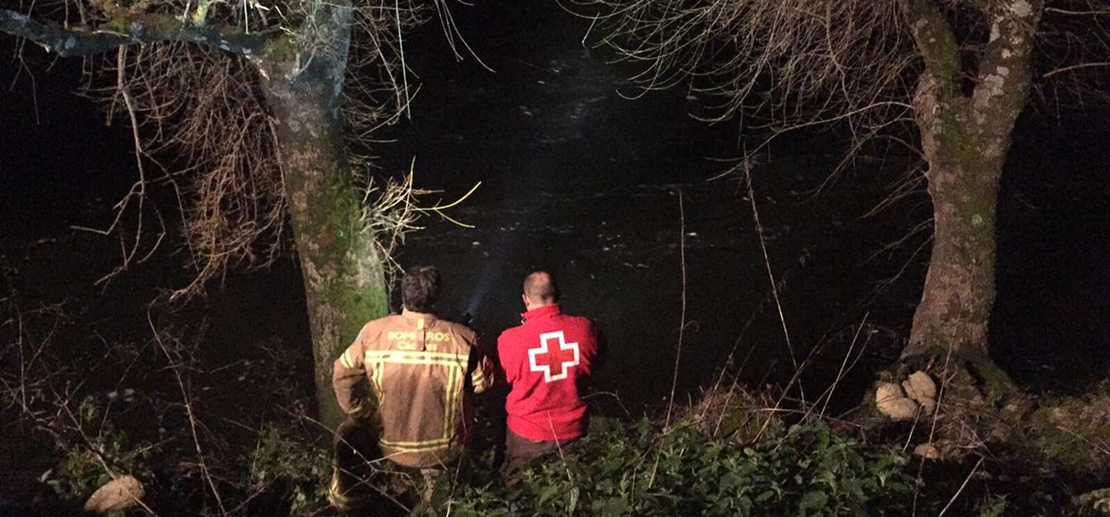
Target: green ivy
x=302, y=469
x=804, y=470
x=102, y=451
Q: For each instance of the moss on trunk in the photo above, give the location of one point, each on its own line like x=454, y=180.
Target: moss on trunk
x=342, y=269
x=965, y=139
x=959, y=286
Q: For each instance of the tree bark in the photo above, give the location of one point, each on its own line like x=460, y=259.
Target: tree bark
x=959, y=290
x=965, y=139
x=341, y=266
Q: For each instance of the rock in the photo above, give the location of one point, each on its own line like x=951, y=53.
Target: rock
x=116, y=495
x=928, y=404
x=1017, y=406
x=923, y=385
x=1096, y=500
x=921, y=388
x=888, y=391
x=893, y=403
x=927, y=451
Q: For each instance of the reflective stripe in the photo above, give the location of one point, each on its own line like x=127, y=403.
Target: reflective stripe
x=451, y=405
x=425, y=445
x=390, y=355
x=334, y=492
x=346, y=360
x=376, y=379
x=335, y=497
x=416, y=360
x=455, y=366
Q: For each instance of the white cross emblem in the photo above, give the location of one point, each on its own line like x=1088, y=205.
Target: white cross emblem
x=551, y=358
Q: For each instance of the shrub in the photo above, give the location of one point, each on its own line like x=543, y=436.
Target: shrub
x=291, y=470
x=101, y=453
x=803, y=470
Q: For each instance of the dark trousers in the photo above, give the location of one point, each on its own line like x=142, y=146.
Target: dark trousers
x=520, y=450
x=355, y=445
x=357, y=485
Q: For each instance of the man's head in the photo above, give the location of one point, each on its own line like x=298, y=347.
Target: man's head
x=540, y=290
x=420, y=288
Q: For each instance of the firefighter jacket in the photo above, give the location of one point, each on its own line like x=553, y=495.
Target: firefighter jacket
x=422, y=371
x=548, y=360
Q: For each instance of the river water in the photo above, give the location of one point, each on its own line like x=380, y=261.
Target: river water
x=611, y=195
x=608, y=193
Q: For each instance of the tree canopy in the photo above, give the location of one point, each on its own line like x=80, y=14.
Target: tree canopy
x=945, y=79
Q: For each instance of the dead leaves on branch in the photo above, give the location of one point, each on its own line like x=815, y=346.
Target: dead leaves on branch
x=392, y=209
x=203, y=133
x=201, y=129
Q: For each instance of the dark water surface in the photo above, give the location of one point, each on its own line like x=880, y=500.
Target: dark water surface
x=579, y=180
x=610, y=195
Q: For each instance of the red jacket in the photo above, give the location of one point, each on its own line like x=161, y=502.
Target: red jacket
x=548, y=360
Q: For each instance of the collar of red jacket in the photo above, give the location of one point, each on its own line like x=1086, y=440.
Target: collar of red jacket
x=418, y=319
x=546, y=311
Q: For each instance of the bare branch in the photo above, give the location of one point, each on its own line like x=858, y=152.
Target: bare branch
x=935, y=41
x=141, y=28
x=1071, y=68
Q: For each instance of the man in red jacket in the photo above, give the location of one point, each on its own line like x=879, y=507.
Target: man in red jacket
x=548, y=361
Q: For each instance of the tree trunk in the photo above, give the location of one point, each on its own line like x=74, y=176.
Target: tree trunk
x=965, y=139
x=342, y=268
x=959, y=286
x=302, y=76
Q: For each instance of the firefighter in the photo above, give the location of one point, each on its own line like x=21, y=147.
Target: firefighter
x=422, y=371
x=548, y=360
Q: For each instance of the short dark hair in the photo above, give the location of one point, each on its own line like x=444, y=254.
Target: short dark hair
x=540, y=287
x=420, y=288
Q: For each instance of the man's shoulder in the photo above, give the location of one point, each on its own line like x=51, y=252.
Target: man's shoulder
x=578, y=320
x=373, y=329
x=507, y=333
x=382, y=322
x=459, y=329
x=511, y=333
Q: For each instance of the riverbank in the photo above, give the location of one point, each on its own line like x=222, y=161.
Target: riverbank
x=170, y=423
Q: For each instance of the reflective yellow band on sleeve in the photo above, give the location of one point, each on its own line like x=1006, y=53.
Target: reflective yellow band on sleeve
x=345, y=360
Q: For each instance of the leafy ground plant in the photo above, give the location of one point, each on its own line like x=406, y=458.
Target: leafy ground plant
x=804, y=470
x=293, y=472
x=99, y=455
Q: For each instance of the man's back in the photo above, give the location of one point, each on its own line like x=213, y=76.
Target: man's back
x=422, y=371
x=549, y=360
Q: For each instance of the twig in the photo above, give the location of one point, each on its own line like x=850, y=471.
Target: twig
x=936, y=417
x=1073, y=67
x=682, y=318
x=187, y=403
x=840, y=373
x=681, y=328
x=401, y=53
x=957, y=494
x=771, y=275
